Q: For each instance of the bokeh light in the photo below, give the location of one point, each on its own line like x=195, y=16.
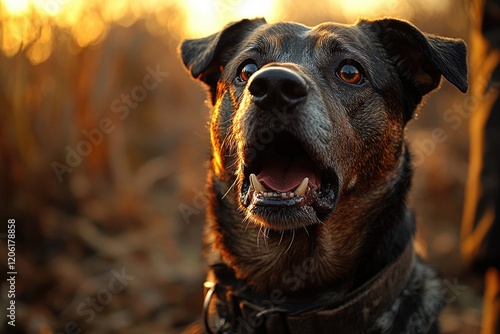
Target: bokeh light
x=30, y=24
x=208, y=16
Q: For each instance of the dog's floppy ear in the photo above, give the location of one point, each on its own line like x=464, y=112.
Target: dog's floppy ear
x=206, y=57
x=421, y=58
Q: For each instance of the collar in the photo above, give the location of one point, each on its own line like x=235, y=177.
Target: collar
x=231, y=307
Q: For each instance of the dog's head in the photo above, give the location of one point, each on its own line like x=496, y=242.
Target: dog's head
x=308, y=122
x=304, y=116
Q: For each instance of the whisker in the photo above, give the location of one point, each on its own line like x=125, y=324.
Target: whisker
x=281, y=238
x=228, y=139
x=233, y=164
x=248, y=220
x=266, y=238
x=232, y=155
x=258, y=237
x=226, y=121
x=230, y=188
x=307, y=232
x=291, y=242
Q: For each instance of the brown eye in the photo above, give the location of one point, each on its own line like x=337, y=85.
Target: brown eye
x=247, y=71
x=350, y=73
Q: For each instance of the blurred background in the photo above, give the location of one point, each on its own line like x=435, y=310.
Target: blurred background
x=103, y=150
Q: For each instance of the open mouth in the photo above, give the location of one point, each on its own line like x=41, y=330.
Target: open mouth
x=285, y=186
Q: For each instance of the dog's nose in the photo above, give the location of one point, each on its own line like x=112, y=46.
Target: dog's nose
x=277, y=87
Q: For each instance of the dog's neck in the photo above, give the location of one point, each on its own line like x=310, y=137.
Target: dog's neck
x=302, y=261
x=231, y=303
x=398, y=225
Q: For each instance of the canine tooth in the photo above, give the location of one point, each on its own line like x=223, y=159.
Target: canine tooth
x=301, y=189
x=256, y=184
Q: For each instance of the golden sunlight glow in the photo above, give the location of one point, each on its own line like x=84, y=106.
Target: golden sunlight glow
x=49, y=7
x=363, y=7
x=16, y=7
x=31, y=25
x=206, y=17
x=353, y=9
x=42, y=47
x=113, y=11
x=89, y=29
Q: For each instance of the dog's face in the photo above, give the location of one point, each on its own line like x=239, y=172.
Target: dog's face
x=307, y=128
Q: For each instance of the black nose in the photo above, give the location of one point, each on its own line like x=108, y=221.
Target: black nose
x=277, y=87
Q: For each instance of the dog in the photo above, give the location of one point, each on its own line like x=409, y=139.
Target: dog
x=308, y=229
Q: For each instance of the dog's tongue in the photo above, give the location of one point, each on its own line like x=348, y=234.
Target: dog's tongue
x=284, y=174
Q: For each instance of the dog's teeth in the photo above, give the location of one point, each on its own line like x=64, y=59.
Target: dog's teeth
x=301, y=189
x=260, y=189
x=256, y=184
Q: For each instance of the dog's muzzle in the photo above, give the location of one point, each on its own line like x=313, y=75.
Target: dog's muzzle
x=285, y=180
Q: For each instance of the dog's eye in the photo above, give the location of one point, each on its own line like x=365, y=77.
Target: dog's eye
x=350, y=73
x=247, y=70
